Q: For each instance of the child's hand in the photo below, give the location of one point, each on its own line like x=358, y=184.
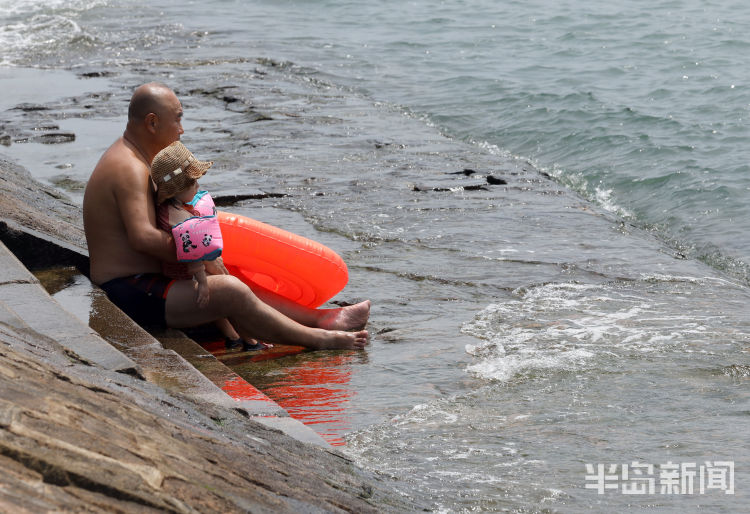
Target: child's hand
x=203, y=295
x=216, y=267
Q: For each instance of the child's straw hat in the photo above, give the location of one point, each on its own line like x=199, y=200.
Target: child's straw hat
x=173, y=168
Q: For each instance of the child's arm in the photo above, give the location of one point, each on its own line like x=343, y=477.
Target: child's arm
x=202, y=280
x=177, y=214
x=216, y=267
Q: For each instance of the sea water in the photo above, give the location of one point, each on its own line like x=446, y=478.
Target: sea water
x=573, y=339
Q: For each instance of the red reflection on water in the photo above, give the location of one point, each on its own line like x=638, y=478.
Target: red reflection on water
x=310, y=391
x=306, y=393
x=239, y=389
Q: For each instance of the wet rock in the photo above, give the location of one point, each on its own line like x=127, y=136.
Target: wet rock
x=251, y=114
x=210, y=92
x=466, y=172
x=229, y=200
x=737, y=371
x=5, y=139
x=254, y=116
x=379, y=145
x=232, y=103
x=27, y=107
x=272, y=63
x=35, y=207
x=492, y=180
x=238, y=108
x=473, y=187
x=96, y=74
x=495, y=181
x=390, y=335
x=67, y=183
x=55, y=138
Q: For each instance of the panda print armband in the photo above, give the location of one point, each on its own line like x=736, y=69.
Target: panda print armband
x=198, y=239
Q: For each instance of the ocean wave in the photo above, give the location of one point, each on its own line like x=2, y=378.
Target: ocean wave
x=19, y=7
x=65, y=33
x=564, y=327
x=45, y=30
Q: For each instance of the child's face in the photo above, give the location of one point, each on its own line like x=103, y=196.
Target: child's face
x=188, y=193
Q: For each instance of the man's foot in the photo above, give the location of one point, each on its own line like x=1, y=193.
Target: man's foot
x=340, y=340
x=351, y=317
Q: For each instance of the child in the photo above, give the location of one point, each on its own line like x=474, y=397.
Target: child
x=190, y=216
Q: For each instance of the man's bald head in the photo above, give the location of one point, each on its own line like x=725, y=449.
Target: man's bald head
x=148, y=98
x=154, y=119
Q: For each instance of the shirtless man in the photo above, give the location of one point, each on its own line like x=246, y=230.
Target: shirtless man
x=126, y=247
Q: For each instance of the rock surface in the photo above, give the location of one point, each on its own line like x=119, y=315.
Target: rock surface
x=78, y=437
x=33, y=206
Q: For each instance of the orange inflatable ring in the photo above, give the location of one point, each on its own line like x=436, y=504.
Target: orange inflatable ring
x=297, y=268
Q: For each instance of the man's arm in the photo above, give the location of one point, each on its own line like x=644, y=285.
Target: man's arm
x=135, y=202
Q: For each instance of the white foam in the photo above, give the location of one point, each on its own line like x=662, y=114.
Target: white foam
x=576, y=181
x=508, y=366
x=40, y=25
x=604, y=198
x=427, y=415
x=19, y=7
x=569, y=327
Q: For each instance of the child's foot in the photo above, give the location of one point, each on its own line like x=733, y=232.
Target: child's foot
x=231, y=344
x=247, y=346
x=253, y=345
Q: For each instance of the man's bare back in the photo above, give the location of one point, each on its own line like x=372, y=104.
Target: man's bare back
x=124, y=241
x=113, y=254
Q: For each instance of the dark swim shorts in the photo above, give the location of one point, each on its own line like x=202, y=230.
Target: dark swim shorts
x=143, y=297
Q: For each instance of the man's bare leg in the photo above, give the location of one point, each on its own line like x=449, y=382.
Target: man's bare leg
x=251, y=317
x=351, y=317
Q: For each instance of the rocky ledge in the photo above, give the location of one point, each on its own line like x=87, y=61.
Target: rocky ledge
x=82, y=437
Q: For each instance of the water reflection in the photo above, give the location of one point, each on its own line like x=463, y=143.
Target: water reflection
x=70, y=288
x=313, y=387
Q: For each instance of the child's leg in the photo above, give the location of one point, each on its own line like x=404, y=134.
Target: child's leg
x=233, y=340
x=226, y=329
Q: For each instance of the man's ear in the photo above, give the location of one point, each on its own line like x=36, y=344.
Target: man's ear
x=151, y=121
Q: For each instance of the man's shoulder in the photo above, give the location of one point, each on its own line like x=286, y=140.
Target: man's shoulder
x=120, y=166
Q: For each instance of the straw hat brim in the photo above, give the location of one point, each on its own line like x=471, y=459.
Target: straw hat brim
x=195, y=170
